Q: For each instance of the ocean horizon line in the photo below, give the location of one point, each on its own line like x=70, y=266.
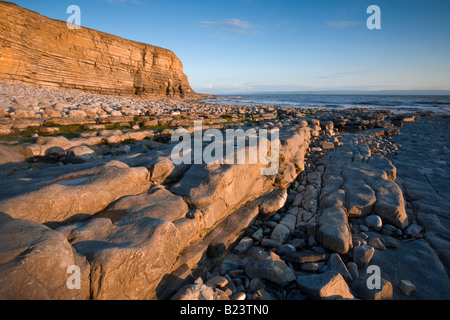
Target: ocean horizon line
x=342, y=92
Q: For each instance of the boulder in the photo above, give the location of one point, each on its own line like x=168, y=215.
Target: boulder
x=334, y=231
x=274, y=202
x=374, y=222
x=34, y=263
x=360, y=198
x=269, y=266
x=129, y=261
x=160, y=169
x=362, y=255
x=390, y=203
x=280, y=233
x=329, y=285
x=335, y=263
x=159, y=203
x=80, y=154
x=199, y=292
x=54, y=154
x=205, y=184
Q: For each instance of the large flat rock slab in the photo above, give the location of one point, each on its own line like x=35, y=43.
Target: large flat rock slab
x=416, y=261
x=34, y=261
x=423, y=171
x=79, y=197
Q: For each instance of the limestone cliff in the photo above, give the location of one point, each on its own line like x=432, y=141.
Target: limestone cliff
x=43, y=51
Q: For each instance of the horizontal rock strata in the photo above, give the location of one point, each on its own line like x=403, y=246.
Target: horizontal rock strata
x=43, y=51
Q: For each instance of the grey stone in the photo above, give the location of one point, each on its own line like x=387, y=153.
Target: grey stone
x=269, y=243
x=312, y=266
x=374, y=222
x=334, y=231
x=238, y=296
x=270, y=267
x=262, y=294
x=329, y=285
x=258, y=234
x=199, y=292
x=360, y=198
x=305, y=256
x=336, y=264
x=407, y=287
x=160, y=169
x=217, y=281
x=280, y=233
x=413, y=230
x=256, y=284
x=285, y=249
x=290, y=221
x=243, y=245
x=362, y=288
x=80, y=154
x=390, y=203
x=353, y=269
x=362, y=255
x=274, y=202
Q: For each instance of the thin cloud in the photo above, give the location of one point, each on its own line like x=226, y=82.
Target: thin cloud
x=343, y=23
x=342, y=74
x=124, y=1
x=236, y=26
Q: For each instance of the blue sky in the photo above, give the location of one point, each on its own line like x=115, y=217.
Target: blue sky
x=237, y=46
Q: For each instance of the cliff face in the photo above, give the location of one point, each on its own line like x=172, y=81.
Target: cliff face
x=43, y=51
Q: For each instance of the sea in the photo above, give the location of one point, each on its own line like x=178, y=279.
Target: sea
x=395, y=103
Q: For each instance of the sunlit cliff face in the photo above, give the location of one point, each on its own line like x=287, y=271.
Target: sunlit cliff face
x=46, y=52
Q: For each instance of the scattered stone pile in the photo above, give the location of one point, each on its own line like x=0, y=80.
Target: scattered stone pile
x=297, y=254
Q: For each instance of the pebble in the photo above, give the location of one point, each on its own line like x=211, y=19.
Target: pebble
x=285, y=249
x=407, y=287
x=335, y=263
x=255, y=285
x=217, y=281
x=388, y=229
x=312, y=242
x=297, y=242
x=238, y=296
x=269, y=243
x=363, y=228
x=258, y=234
x=280, y=233
x=243, y=245
x=362, y=255
x=377, y=243
x=374, y=222
x=312, y=266
x=413, y=230
x=353, y=269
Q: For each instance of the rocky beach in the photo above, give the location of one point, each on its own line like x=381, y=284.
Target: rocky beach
x=88, y=180
x=110, y=190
